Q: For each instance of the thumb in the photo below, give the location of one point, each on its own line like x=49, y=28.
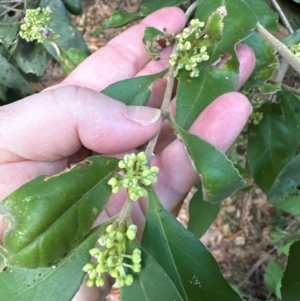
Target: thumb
x=58, y=122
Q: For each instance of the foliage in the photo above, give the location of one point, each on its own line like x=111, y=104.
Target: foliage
x=29, y=33
x=169, y=263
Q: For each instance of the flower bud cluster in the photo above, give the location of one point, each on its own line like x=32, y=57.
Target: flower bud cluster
x=256, y=102
x=35, y=24
x=111, y=257
x=189, y=53
x=295, y=49
x=135, y=175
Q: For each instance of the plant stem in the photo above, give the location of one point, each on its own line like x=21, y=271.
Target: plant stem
x=282, y=16
x=191, y=9
x=280, y=47
x=125, y=212
x=164, y=111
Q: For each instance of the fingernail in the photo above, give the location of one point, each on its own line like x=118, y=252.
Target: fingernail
x=143, y=115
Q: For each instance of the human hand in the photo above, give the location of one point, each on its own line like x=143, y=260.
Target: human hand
x=44, y=133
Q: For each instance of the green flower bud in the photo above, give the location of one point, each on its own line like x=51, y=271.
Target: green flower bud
x=95, y=252
x=114, y=273
x=111, y=261
x=120, y=281
x=128, y=279
x=101, y=268
x=110, y=242
x=113, y=182
x=136, y=256
x=100, y=281
x=93, y=274
x=119, y=236
x=88, y=267
x=131, y=232
x=121, y=164
x=136, y=267
x=89, y=282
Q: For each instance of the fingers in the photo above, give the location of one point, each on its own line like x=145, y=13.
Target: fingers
x=69, y=117
x=124, y=56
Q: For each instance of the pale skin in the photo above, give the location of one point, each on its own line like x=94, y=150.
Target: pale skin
x=42, y=134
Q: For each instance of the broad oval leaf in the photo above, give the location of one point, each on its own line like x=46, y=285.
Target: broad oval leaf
x=287, y=182
x=290, y=106
x=31, y=57
x=270, y=148
x=290, y=289
x=201, y=213
x=195, y=94
x=272, y=277
x=151, y=283
x=186, y=261
x=48, y=216
x=133, y=91
x=11, y=77
x=218, y=175
x=60, y=282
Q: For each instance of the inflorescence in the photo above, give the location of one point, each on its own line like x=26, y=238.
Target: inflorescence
x=112, y=257
x=188, y=54
x=295, y=49
x=35, y=25
x=134, y=176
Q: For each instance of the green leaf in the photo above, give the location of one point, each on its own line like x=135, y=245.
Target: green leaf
x=117, y=19
x=10, y=77
x=290, y=205
x=31, y=57
x=149, y=6
x=195, y=94
x=266, y=60
x=290, y=289
x=290, y=106
x=151, y=283
x=71, y=58
x=69, y=35
x=151, y=43
x=272, y=277
x=201, y=213
x=73, y=6
x=219, y=177
x=50, y=210
x=292, y=39
x=265, y=15
x=271, y=145
x=214, y=25
x=9, y=29
x=185, y=260
x=291, y=11
x=287, y=182
x=269, y=88
x=133, y=91
x=59, y=282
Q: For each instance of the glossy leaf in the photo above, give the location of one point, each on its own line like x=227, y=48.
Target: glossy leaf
x=133, y=91
x=48, y=216
x=60, y=282
x=151, y=283
x=271, y=145
x=290, y=289
x=269, y=88
x=290, y=106
x=117, y=19
x=69, y=35
x=185, y=260
x=266, y=62
x=194, y=94
x=31, y=57
x=290, y=205
x=149, y=6
x=219, y=177
x=272, y=277
x=11, y=77
x=287, y=182
x=201, y=213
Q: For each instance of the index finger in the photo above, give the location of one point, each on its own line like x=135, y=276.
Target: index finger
x=124, y=56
